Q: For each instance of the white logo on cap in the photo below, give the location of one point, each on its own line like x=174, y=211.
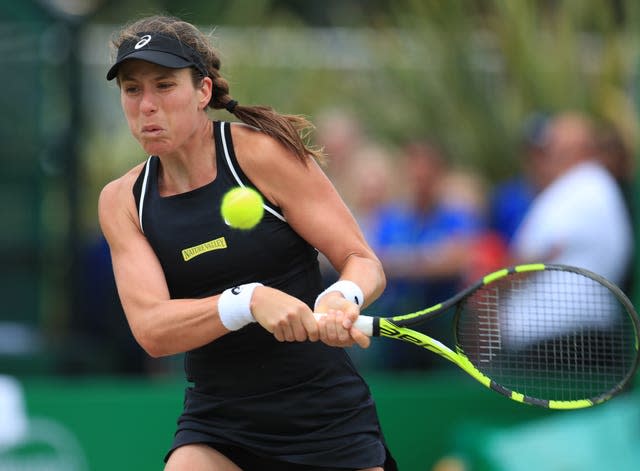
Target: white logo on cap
x=143, y=41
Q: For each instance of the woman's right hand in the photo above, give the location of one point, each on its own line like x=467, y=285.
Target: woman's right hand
x=286, y=317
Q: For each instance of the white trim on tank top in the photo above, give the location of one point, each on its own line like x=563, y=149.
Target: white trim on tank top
x=227, y=157
x=143, y=191
x=235, y=174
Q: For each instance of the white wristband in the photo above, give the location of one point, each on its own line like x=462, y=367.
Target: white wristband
x=348, y=289
x=234, y=306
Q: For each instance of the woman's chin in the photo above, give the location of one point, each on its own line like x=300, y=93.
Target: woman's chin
x=155, y=148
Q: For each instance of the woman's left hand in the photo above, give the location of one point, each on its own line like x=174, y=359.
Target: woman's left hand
x=336, y=326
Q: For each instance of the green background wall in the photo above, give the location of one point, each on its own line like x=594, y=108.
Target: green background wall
x=128, y=424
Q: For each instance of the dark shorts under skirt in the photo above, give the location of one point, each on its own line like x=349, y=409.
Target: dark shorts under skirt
x=249, y=461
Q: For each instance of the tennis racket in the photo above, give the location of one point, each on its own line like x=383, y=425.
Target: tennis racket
x=553, y=336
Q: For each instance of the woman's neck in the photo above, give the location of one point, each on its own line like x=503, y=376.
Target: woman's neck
x=192, y=166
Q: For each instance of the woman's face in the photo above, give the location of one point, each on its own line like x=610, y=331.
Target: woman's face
x=162, y=107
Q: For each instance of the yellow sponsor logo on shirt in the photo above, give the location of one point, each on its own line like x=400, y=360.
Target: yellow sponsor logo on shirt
x=215, y=244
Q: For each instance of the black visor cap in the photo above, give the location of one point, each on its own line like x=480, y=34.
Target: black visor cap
x=160, y=49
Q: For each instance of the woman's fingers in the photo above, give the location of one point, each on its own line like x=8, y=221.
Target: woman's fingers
x=361, y=339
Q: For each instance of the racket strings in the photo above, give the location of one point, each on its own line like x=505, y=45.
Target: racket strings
x=551, y=335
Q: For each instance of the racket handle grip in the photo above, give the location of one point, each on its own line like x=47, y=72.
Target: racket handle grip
x=363, y=323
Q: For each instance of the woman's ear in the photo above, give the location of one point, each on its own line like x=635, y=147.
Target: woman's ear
x=206, y=91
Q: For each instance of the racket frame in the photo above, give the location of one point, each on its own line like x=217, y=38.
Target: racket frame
x=398, y=327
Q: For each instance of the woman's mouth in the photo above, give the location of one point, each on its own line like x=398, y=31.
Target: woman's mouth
x=151, y=130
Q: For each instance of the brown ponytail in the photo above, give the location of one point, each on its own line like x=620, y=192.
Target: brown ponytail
x=291, y=130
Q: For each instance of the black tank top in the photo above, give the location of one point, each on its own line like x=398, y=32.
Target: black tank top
x=293, y=400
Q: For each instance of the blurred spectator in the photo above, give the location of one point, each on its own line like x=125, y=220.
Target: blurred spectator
x=349, y=152
x=511, y=198
x=616, y=155
x=486, y=251
x=341, y=135
x=423, y=243
x=579, y=217
x=373, y=187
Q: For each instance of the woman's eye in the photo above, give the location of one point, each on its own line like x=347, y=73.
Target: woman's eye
x=165, y=85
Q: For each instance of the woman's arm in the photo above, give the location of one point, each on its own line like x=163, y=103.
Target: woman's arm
x=313, y=208
x=160, y=325
x=163, y=326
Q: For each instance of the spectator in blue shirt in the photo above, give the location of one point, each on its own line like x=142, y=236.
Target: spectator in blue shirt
x=423, y=243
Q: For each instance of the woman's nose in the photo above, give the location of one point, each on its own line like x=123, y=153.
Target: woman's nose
x=148, y=103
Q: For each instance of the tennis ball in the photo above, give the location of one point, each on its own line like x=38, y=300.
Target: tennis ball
x=242, y=208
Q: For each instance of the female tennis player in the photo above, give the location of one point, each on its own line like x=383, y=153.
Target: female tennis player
x=265, y=393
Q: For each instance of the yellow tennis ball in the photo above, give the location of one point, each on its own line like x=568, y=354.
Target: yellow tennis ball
x=242, y=208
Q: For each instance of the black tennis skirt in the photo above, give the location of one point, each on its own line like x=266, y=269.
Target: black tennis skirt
x=298, y=403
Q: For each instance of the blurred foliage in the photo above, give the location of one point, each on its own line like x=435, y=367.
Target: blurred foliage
x=487, y=65
x=253, y=12
x=464, y=73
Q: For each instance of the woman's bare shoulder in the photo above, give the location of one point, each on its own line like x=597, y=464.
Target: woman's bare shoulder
x=117, y=196
x=124, y=183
